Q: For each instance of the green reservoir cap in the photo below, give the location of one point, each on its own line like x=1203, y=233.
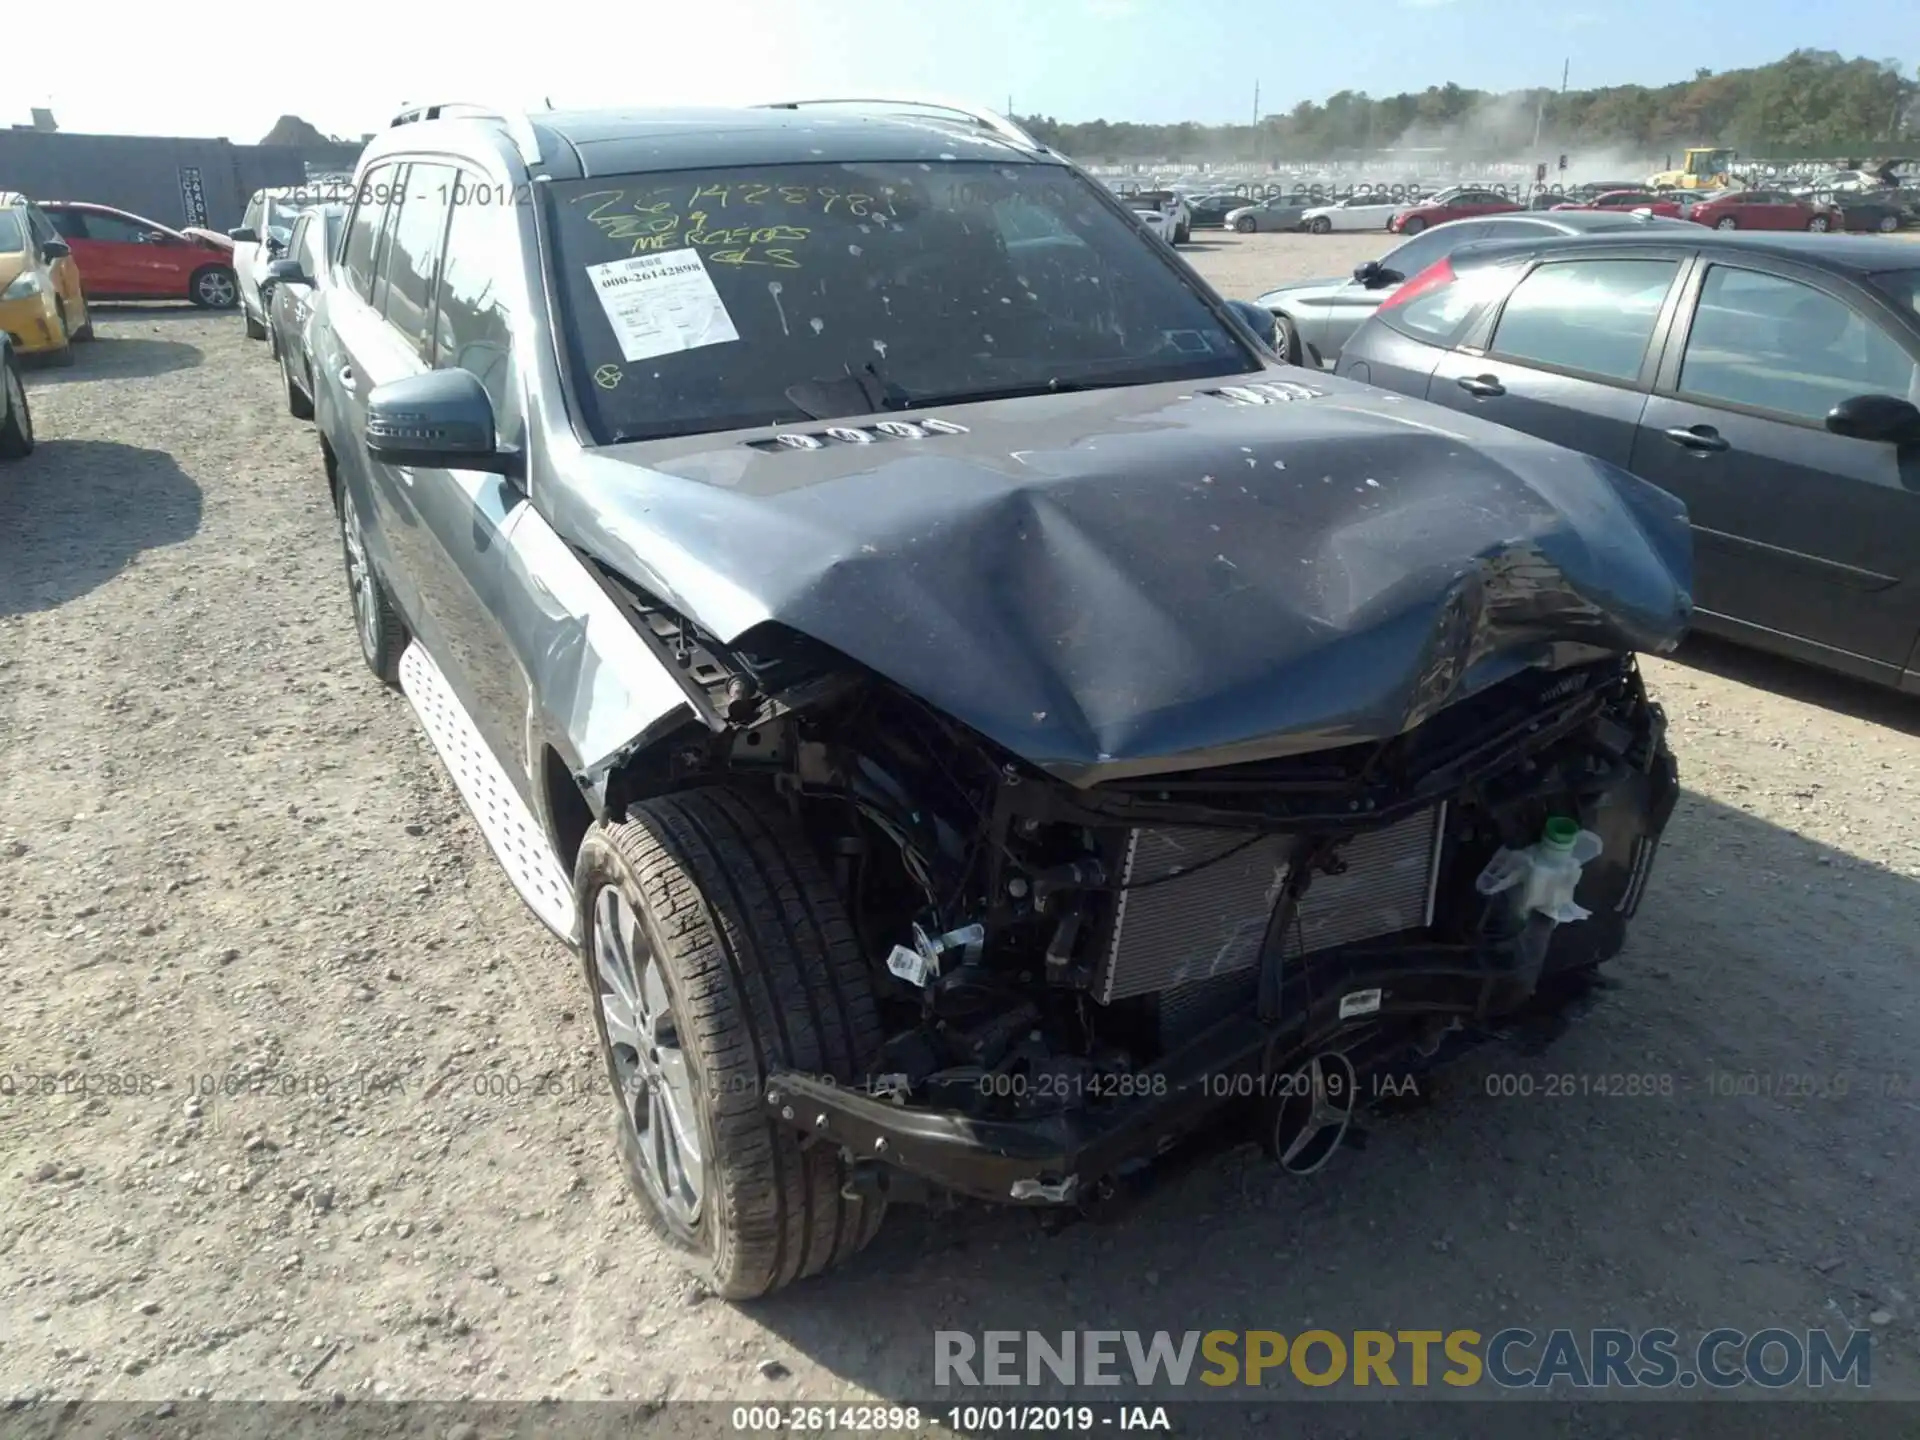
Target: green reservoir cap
x=1561, y=832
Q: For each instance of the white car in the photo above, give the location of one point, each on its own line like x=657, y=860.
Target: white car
x=1356, y=212
x=261, y=238
x=1164, y=222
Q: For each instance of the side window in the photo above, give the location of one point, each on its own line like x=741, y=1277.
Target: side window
x=413, y=253
x=1777, y=344
x=1434, y=316
x=59, y=224
x=472, y=327
x=364, y=230
x=1594, y=316
x=256, y=212
x=115, y=228
x=1417, y=254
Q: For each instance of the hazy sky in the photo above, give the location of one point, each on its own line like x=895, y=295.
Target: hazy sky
x=348, y=65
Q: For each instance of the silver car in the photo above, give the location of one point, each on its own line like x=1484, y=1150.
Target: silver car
x=1318, y=317
x=1278, y=213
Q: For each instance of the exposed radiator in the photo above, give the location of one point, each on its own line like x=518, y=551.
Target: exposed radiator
x=1214, y=921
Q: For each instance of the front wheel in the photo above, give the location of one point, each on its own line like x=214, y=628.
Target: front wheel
x=213, y=288
x=1726, y=222
x=716, y=950
x=1245, y=225
x=299, y=402
x=1887, y=224
x=16, y=431
x=1319, y=225
x=1819, y=224
x=1182, y=235
x=1287, y=341
x=1413, y=227
x=375, y=621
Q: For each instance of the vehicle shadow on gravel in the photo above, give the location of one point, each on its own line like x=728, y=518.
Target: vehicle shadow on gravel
x=1876, y=704
x=121, y=357
x=1759, y=1002
x=75, y=513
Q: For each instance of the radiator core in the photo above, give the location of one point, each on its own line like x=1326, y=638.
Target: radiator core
x=1214, y=921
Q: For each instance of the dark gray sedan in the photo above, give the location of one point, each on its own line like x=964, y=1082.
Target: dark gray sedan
x=1319, y=316
x=1769, y=381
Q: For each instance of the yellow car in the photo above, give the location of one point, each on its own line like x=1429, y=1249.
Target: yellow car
x=41, y=303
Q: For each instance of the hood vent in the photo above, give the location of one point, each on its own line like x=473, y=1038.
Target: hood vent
x=1267, y=392
x=858, y=435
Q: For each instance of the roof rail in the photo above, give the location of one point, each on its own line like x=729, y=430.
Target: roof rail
x=519, y=128
x=986, y=119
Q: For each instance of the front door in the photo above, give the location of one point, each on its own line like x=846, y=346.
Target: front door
x=1797, y=530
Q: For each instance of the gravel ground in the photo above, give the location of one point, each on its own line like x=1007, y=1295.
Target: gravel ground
x=230, y=863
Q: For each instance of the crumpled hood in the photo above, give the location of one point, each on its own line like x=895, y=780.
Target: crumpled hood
x=1156, y=578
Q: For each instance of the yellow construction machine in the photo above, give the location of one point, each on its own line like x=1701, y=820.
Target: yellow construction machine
x=1706, y=168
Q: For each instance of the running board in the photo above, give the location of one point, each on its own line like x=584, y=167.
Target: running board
x=511, y=830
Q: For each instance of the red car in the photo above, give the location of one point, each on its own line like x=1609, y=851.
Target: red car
x=1456, y=204
x=128, y=257
x=1628, y=200
x=1763, y=210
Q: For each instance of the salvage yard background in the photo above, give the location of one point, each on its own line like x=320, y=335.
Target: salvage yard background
x=225, y=851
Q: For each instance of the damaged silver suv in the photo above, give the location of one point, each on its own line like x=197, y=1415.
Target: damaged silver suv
x=973, y=710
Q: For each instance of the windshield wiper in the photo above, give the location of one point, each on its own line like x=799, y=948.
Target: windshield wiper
x=862, y=392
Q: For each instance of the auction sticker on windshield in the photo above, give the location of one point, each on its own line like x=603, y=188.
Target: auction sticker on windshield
x=662, y=304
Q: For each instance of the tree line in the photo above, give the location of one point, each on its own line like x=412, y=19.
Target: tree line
x=1813, y=102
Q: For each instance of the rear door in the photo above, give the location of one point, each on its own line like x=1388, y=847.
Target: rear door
x=102, y=261
x=1797, y=530
x=1570, y=354
x=245, y=252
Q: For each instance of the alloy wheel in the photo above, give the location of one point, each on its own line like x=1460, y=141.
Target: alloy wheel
x=360, y=577
x=217, y=289
x=17, y=403
x=645, y=1060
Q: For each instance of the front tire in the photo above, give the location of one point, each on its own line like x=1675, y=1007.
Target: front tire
x=716, y=950
x=1413, y=227
x=375, y=621
x=1245, y=225
x=213, y=288
x=1287, y=341
x=1887, y=224
x=1182, y=235
x=256, y=329
x=1819, y=224
x=1320, y=225
x=85, y=332
x=16, y=433
x=1726, y=222
x=299, y=403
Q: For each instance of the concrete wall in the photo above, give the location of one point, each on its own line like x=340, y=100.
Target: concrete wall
x=153, y=175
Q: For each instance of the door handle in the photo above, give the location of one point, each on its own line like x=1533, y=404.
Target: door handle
x=1481, y=385
x=346, y=375
x=1703, y=439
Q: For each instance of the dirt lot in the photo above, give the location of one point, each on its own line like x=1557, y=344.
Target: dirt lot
x=226, y=852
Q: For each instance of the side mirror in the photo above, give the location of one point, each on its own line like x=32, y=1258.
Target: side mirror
x=441, y=420
x=288, y=272
x=54, y=250
x=1258, y=319
x=244, y=235
x=1885, y=418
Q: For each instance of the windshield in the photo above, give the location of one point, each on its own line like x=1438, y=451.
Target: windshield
x=725, y=299
x=12, y=237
